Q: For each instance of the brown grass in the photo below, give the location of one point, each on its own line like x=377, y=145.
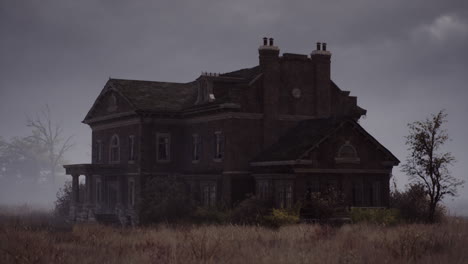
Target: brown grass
x=43, y=240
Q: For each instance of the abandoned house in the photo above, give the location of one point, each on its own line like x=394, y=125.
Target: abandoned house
x=278, y=130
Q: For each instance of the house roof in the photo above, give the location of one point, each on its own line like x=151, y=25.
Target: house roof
x=306, y=136
x=156, y=96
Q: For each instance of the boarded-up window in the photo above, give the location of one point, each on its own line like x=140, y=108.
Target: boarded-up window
x=263, y=189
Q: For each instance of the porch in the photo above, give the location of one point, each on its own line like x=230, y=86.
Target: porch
x=104, y=196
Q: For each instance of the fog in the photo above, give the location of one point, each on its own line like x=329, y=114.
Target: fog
x=404, y=60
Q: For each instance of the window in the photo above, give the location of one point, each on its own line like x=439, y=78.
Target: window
x=131, y=148
x=284, y=194
x=358, y=193
x=131, y=192
x=163, y=147
x=219, y=146
x=115, y=149
x=99, y=151
x=196, y=147
x=376, y=194
x=209, y=194
x=98, y=191
x=263, y=189
x=347, y=154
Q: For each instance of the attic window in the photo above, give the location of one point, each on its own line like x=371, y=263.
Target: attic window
x=112, y=103
x=347, y=154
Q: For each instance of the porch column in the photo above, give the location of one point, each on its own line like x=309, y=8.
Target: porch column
x=75, y=189
x=88, y=189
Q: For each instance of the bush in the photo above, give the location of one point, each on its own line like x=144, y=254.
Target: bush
x=250, y=211
x=378, y=216
x=280, y=217
x=322, y=205
x=165, y=199
x=413, y=204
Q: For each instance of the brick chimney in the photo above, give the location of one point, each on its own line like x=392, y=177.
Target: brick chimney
x=321, y=60
x=270, y=67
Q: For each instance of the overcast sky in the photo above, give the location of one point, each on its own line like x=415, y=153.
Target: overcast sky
x=403, y=59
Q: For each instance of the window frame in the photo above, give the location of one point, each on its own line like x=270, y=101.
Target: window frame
x=209, y=194
x=219, y=146
x=131, y=149
x=99, y=149
x=196, y=148
x=167, y=147
x=113, y=159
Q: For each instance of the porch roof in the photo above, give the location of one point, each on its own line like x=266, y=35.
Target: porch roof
x=85, y=169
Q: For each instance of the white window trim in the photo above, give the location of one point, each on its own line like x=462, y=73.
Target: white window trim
x=158, y=136
x=117, y=160
x=352, y=160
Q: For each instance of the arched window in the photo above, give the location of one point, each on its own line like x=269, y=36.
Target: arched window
x=347, y=154
x=115, y=149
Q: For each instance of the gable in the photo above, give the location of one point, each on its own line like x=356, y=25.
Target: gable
x=350, y=146
x=301, y=141
x=110, y=102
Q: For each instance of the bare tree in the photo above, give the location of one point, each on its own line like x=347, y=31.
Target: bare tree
x=51, y=136
x=427, y=163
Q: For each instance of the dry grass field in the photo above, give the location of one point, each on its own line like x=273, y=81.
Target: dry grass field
x=37, y=238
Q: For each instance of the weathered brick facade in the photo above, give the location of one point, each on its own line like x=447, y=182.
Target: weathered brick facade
x=280, y=130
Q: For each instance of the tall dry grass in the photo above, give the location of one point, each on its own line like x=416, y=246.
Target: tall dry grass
x=44, y=240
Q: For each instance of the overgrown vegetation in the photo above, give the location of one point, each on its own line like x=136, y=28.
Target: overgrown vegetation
x=30, y=238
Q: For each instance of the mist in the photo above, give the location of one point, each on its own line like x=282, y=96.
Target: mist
x=403, y=60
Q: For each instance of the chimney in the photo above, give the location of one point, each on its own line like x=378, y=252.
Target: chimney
x=270, y=67
x=321, y=62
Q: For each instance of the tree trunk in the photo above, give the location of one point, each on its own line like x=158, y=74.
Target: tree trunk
x=432, y=210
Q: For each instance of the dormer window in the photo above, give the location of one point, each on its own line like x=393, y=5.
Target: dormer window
x=115, y=149
x=347, y=154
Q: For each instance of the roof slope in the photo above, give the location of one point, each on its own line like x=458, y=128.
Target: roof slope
x=156, y=96
x=305, y=136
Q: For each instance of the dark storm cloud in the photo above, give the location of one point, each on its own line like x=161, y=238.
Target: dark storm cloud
x=403, y=59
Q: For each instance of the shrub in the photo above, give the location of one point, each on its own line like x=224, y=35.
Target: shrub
x=280, y=217
x=165, y=199
x=378, y=216
x=322, y=205
x=250, y=211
